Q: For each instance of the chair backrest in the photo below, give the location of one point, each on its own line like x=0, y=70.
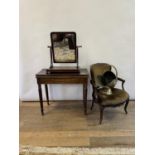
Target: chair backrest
x=97, y=70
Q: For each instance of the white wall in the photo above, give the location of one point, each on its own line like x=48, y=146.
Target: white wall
x=105, y=29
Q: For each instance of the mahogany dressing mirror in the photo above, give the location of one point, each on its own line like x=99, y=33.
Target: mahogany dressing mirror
x=63, y=49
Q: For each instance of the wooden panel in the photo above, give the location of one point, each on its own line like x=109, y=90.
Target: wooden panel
x=43, y=73
x=61, y=80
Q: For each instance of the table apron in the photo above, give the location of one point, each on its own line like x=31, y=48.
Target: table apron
x=81, y=80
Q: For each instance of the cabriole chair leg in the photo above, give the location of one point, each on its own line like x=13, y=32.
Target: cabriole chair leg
x=126, y=105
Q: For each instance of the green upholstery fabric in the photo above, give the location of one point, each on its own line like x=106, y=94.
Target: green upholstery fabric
x=118, y=96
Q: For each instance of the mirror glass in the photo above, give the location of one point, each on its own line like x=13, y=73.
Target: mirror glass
x=64, y=47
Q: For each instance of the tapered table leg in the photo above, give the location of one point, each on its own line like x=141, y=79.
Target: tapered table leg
x=46, y=91
x=85, y=98
x=41, y=99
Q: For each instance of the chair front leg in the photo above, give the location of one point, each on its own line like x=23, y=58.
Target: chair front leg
x=126, y=105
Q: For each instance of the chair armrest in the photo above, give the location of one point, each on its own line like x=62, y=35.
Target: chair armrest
x=123, y=81
x=78, y=46
x=93, y=84
x=120, y=79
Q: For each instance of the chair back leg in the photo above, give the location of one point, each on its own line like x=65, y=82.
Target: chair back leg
x=101, y=114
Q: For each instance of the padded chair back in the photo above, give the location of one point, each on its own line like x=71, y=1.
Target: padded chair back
x=97, y=70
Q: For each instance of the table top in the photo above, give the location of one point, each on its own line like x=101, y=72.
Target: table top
x=43, y=73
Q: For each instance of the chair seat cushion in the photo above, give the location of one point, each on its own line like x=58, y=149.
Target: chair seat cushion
x=118, y=96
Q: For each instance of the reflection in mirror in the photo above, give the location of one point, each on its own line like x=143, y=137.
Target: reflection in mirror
x=64, y=46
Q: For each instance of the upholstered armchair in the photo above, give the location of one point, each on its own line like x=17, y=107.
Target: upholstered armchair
x=117, y=97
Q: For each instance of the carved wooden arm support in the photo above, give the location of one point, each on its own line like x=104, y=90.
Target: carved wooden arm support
x=123, y=81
